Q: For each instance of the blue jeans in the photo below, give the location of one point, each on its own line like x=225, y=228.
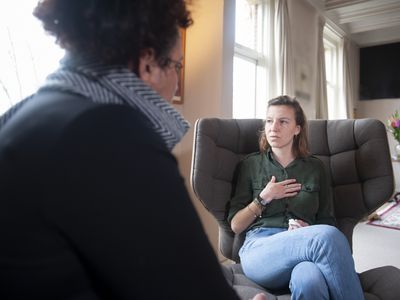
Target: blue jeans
x=314, y=261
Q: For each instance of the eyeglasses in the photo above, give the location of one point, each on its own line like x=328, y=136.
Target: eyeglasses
x=176, y=64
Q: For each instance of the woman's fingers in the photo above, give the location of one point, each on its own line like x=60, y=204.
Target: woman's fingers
x=293, y=187
x=290, y=185
x=287, y=181
x=302, y=223
x=296, y=223
x=278, y=190
x=292, y=190
x=291, y=194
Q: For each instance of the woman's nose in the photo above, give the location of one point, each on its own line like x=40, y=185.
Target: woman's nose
x=274, y=125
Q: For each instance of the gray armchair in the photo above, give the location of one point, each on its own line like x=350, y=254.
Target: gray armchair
x=355, y=152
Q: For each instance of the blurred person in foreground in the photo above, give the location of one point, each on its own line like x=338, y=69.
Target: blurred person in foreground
x=92, y=205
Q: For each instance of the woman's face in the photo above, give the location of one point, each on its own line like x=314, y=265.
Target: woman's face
x=280, y=126
x=163, y=80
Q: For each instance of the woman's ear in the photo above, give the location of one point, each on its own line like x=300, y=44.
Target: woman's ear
x=298, y=129
x=146, y=65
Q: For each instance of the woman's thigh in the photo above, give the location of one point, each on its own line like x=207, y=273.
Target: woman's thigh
x=269, y=260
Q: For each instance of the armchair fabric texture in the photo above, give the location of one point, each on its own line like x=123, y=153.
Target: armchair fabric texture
x=357, y=156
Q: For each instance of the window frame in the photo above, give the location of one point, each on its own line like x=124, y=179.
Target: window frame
x=333, y=42
x=259, y=57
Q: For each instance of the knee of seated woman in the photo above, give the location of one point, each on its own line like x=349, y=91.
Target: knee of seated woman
x=329, y=233
x=306, y=273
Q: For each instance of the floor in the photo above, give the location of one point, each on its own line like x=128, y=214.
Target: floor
x=375, y=247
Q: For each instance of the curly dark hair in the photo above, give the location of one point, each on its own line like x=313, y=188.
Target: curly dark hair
x=300, y=142
x=115, y=31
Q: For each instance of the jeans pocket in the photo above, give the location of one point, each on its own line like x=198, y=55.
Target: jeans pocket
x=253, y=232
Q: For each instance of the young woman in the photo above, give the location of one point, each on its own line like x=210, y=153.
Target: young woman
x=283, y=199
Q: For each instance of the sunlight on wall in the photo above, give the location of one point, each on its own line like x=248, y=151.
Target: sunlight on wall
x=27, y=53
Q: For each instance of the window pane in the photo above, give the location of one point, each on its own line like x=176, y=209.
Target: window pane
x=27, y=53
x=334, y=74
x=244, y=87
x=246, y=21
x=328, y=64
x=261, y=92
x=330, y=91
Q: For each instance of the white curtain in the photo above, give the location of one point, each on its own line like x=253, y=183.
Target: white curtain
x=321, y=105
x=350, y=67
x=281, y=65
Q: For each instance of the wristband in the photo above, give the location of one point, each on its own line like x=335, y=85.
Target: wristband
x=259, y=205
x=262, y=201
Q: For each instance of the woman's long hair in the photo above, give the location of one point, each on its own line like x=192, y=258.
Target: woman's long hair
x=300, y=141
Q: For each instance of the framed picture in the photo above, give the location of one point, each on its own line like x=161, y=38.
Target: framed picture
x=178, y=98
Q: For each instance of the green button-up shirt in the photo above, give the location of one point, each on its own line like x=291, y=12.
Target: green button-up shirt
x=313, y=204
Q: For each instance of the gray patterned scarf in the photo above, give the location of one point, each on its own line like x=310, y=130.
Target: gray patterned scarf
x=114, y=85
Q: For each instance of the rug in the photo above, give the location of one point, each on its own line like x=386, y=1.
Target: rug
x=388, y=218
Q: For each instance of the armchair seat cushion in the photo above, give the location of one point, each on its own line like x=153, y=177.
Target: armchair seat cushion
x=244, y=287
x=379, y=283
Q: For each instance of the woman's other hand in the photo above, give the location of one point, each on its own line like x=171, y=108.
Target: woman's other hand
x=297, y=223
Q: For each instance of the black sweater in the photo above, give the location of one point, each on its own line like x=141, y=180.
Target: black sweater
x=92, y=206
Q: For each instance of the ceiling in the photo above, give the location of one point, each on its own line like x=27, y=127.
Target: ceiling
x=368, y=22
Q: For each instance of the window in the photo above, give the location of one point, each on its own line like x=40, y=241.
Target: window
x=334, y=74
x=250, y=61
x=27, y=54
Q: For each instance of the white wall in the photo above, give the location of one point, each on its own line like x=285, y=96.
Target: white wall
x=207, y=86
x=381, y=110
x=304, y=32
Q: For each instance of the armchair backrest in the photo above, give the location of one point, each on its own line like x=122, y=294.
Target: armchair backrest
x=355, y=152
